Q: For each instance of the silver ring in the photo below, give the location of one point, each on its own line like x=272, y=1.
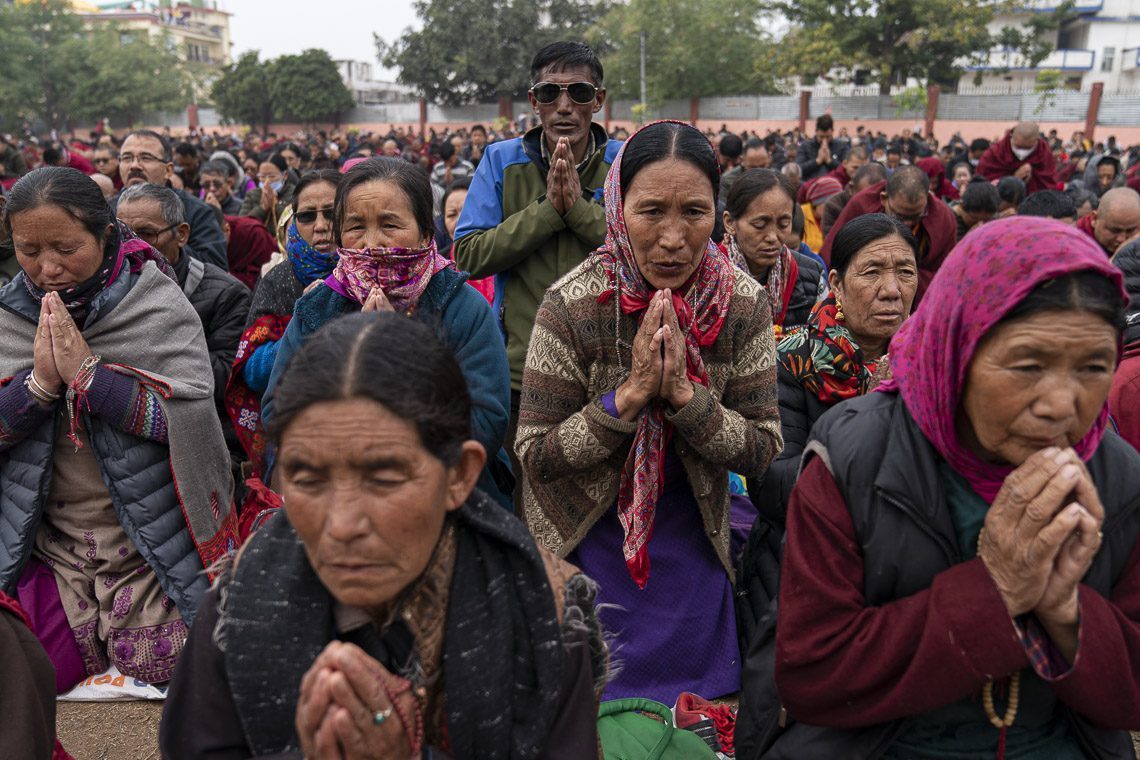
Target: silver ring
x=379, y=717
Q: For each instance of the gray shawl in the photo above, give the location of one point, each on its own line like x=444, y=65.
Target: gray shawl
x=154, y=335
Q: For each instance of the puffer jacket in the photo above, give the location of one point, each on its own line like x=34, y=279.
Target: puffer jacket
x=888, y=474
x=222, y=303
x=137, y=474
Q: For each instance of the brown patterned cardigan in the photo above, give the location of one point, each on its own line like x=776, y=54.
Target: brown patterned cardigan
x=572, y=451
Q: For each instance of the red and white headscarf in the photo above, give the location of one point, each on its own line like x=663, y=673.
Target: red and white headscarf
x=701, y=306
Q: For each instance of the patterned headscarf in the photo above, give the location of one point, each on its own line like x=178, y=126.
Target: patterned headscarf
x=701, y=307
x=778, y=284
x=823, y=358
x=121, y=247
x=983, y=279
x=309, y=264
x=402, y=273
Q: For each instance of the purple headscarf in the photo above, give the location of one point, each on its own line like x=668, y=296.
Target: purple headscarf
x=989, y=272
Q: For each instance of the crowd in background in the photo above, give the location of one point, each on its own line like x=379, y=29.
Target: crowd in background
x=492, y=443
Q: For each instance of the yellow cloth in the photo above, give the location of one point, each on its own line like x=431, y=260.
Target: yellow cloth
x=813, y=233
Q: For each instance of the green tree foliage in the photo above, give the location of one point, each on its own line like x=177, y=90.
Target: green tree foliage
x=692, y=48
x=305, y=87
x=308, y=88
x=241, y=93
x=41, y=43
x=468, y=52
x=925, y=39
x=54, y=70
x=127, y=77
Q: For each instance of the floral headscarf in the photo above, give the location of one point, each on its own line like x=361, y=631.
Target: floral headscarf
x=983, y=279
x=823, y=358
x=701, y=307
x=779, y=283
x=402, y=273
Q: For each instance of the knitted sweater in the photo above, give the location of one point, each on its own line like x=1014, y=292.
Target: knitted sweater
x=572, y=450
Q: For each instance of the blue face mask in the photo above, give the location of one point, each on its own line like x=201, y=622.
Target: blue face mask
x=276, y=186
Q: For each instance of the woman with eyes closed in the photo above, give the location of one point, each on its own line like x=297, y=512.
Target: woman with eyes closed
x=115, y=481
x=833, y=357
x=310, y=258
x=650, y=376
x=390, y=611
x=758, y=214
x=961, y=573
x=387, y=261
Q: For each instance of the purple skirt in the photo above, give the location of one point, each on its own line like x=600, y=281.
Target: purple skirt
x=678, y=633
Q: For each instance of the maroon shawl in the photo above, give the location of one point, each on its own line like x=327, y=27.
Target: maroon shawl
x=998, y=161
x=249, y=248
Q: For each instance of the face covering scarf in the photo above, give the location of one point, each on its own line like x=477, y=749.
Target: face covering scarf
x=402, y=274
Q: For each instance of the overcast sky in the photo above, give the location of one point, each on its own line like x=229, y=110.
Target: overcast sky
x=342, y=27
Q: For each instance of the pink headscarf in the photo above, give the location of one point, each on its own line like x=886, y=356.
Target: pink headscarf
x=990, y=271
x=402, y=273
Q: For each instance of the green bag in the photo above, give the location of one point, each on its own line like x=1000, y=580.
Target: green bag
x=629, y=733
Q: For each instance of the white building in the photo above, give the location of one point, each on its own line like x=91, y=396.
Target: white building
x=366, y=91
x=1102, y=44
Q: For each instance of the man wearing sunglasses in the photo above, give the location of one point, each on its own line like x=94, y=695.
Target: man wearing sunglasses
x=534, y=210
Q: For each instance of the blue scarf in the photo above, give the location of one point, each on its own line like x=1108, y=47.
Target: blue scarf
x=309, y=264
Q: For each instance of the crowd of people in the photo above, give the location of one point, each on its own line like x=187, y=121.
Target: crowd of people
x=561, y=443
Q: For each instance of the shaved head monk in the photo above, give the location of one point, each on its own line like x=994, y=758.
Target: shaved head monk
x=1022, y=153
x=1115, y=221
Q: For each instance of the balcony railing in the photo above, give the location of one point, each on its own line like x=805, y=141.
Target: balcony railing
x=1046, y=6
x=1011, y=60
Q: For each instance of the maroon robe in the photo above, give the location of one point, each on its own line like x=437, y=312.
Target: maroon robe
x=999, y=161
x=939, y=185
x=937, y=235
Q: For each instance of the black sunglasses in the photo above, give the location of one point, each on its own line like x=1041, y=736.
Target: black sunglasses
x=310, y=216
x=580, y=92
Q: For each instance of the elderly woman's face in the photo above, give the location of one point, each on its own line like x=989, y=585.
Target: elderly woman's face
x=1037, y=382
x=877, y=289
x=379, y=215
x=669, y=215
x=365, y=497
x=54, y=249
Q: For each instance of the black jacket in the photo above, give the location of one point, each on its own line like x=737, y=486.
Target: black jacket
x=207, y=238
x=799, y=411
x=809, y=149
x=805, y=292
x=888, y=474
x=1127, y=260
x=222, y=303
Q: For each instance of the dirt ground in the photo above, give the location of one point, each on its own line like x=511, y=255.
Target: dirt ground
x=129, y=730
x=109, y=730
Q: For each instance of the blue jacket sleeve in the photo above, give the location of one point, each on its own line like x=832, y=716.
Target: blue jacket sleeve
x=473, y=334
x=259, y=367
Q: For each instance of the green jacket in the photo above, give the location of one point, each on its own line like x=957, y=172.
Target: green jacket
x=508, y=229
